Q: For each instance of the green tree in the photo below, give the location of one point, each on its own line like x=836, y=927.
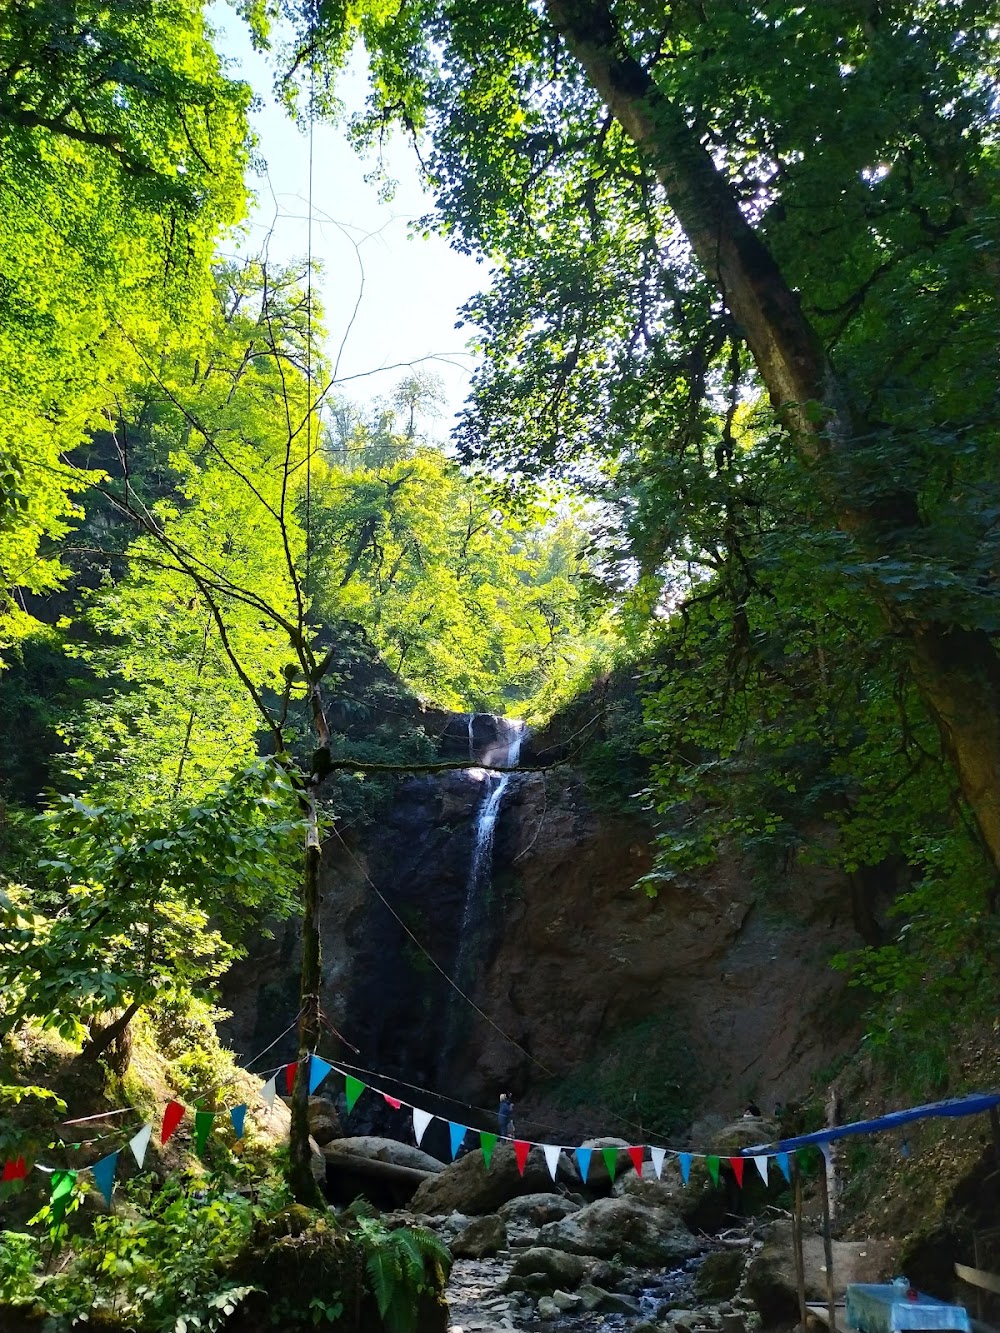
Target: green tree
x=145, y=903
x=665, y=188
x=122, y=148
x=477, y=608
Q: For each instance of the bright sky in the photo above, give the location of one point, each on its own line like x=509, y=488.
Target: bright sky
x=412, y=287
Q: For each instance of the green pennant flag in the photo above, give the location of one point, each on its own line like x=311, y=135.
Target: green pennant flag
x=203, y=1121
x=610, y=1156
x=353, y=1088
x=713, y=1168
x=487, y=1142
x=62, y=1188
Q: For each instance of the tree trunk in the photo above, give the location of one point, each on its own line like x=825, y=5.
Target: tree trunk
x=101, y=1039
x=957, y=671
x=300, y=1177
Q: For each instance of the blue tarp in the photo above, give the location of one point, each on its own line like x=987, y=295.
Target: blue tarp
x=954, y=1106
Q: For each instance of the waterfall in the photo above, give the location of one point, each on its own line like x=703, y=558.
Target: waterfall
x=506, y=751
x=472, y=735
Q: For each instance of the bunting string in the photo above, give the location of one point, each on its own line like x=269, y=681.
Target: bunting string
x=103, y=1171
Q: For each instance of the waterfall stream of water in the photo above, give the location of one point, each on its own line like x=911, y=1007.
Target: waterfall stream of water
x=504, y=751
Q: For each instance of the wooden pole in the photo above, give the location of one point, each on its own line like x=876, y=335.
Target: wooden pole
x=824, y=1190
x=995, y=1128
x=800, y=1268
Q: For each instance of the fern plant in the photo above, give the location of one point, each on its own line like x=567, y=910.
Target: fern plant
x=402, y=1266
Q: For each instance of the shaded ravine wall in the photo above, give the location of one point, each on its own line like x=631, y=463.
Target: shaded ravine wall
x=568, y=955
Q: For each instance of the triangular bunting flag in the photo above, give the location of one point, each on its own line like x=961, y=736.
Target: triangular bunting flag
x=457, y=1135
x=62, y=1188
x=203, y=1122
x=610, y=1156
x=738, y=1163
x=269, y=1091
x=785, y=1166
x=290, y=1076
x=139, y=1143
x=487, y=1142
x=685, y=1160
x=318, y=1070
x=394, y=1102
x=238, y=1115
x=552, y=1151
x=712, y=1162
x=635, y=1156
x=104, y=1175
x=14, y=1170
x=421, y=1119
x=583, y=1156
x=760, y=1163
x=656, y=1156
x=521, y=1150
x=353, y=1088
x=173, y=1114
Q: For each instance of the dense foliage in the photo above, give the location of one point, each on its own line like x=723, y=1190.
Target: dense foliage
x=743, y=310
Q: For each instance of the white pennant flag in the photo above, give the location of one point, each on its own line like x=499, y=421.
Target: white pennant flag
x=421, y=1119
x=761, y=1164
x=139, y=1143
x=269, y=1091
x=552, y=1151
x=657, y=1155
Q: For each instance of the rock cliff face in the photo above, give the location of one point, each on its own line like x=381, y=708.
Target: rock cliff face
x=561, y=954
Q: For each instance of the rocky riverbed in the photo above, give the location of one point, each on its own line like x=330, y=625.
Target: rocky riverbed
x=622, y=1251
x=481, y=1301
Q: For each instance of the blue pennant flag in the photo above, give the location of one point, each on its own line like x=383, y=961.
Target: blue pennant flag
x=782, y=1159
x=457, y=1133
x=318, y=1070
x=104, y=1175
x=583, y=1161
x=685, y=1160
x=238, y=1115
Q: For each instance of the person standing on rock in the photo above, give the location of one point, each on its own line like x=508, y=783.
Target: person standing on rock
x=505, y=1116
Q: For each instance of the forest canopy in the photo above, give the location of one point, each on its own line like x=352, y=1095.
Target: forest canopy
x=734, y=425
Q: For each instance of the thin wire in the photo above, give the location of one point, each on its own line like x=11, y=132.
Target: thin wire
x=436, y=965
x=309, y=325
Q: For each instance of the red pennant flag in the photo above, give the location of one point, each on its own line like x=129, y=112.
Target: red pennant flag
x=521, y=1150
x=636, y=1156
x=394, y=1102
x=16, y=1170
x=290, y=1076
x=737, y=1163
x=173, y=1114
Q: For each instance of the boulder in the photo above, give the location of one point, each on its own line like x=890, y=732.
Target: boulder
x=566, y=1301
x=525, y=1215
x=669, y=1191
x=637, y=1234
x=480, y=1238
x=747, y=1132
x=386, y=1150
x=597, y=1175
x=719, y=1276
x=537, y=1209
x=769, y=1280
x=547, y=1308
x=608, y=1302
x=324, y=1121
x=543, y=1270
x=469, y=1186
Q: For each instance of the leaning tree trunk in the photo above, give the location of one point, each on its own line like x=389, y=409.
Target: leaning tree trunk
x=957, y=670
